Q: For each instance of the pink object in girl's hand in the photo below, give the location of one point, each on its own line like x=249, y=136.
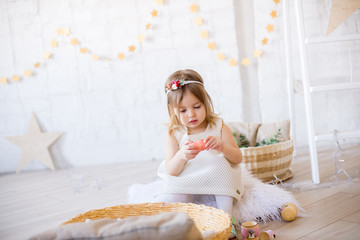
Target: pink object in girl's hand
x=200, y=144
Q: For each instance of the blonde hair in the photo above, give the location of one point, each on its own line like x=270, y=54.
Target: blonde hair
x=175, y=97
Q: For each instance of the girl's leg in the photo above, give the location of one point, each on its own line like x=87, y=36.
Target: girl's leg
x=225, y=203
x=184, y=198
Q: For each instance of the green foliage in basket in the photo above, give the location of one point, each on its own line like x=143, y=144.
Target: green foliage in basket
x=271, y=140
x=243, y=143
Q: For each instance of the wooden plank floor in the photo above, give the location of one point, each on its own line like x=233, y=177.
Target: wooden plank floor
x=31, y=202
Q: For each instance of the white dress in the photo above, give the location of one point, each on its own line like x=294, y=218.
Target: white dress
x=209, y=173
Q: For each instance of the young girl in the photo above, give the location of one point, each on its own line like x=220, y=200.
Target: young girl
x=188, y=170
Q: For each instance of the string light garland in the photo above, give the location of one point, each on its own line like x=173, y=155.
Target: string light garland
x=338, y=152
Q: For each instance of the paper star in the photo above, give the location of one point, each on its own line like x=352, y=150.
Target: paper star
x=83, y=50
x=221, y=56
x=132, y=48
x=154, y=13
x=27, y=73
x=121, y=56
x=273, y=14
x=160, y=2
x=74, y=41
x=198, y=21
x=141, y=38
x=211, y=45
x=54, y=43
x=95, y=57
x=340, y=11
x=264, y=41
x=36, y=65
x=15, y=78
x=63, y=31
x=245, y=62
x=204, y=34
x=3, y=80
x=276, y=1
x=47, y=55
x=60, y=31
x=257, y=53
x=148, y=26
x=35, y=145
x=270, y=28
x=233, y=62
x=194, y=8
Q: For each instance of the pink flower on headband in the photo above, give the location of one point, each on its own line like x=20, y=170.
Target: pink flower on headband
x=174, y=85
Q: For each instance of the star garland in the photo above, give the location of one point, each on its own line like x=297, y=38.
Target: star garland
x=66, y=34
x=131, y=49
x=221, y=56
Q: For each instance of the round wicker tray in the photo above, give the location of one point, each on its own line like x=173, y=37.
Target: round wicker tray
x=205, y=218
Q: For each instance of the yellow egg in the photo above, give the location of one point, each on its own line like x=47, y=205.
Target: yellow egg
x=292, y=205
x=288, y=213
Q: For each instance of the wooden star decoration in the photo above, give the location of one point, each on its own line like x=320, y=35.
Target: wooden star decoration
x=199, y=21
x=154, y=13
x=273, y=14
x=245, y=61
x=204, y=34
x=3, y=80
x=211, y=46
x=270, y=28
x=121, y=56
x=194, y=8
x=132, y=48
x=27, y=73
x=276, y=1
x=54, y=43
x=47, y=55
x=35, y=145
x=264, y=41
x=257, y=53
x=148, y=26
x=74, y=41
x=233, y=62
x=83, y=50
x=15, y=78
x=221, y=56
x=36, y=65
x=340, y=11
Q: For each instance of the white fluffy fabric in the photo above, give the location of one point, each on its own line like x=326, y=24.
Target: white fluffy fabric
x=260, y=202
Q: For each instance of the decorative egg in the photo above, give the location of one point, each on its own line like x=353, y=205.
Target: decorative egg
x=292, y=205
x=200, y=144
x=288, y=213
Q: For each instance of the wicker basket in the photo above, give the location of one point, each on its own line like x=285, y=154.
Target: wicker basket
x=266, y=161
x=205, y=218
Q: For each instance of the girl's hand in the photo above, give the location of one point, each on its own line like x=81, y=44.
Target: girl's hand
x=214, y=143
x=188, y=151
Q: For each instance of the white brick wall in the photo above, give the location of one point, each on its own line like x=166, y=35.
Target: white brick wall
x=109, y=111
x=115, y=111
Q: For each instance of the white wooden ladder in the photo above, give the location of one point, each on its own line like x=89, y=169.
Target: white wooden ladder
x=308, y=89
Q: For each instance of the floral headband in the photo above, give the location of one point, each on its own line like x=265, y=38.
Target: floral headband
x=174, y=85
